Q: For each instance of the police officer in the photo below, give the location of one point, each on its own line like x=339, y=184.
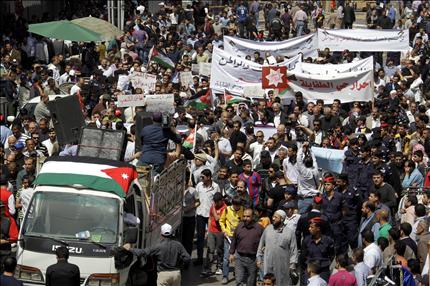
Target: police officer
x=364, y=172
x=351, y=209
x=391, y=176
x=317, y=247
x=332, y=205
x=302, y=230
x=352, y=162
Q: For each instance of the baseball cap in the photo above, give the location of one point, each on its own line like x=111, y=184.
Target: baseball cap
x=166, y=230
x=19, y=145
x=290, y=205
x=291, y=190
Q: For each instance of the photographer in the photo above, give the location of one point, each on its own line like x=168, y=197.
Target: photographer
x=308, y=177
x=155, y=138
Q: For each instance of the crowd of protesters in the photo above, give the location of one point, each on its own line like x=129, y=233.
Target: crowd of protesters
x=261, y=203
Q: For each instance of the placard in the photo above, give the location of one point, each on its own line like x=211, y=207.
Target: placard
x=205, y=69
x=136, y=79
x=186, y=78
x=253, y=91
x=123, y=80
x=127, y=100
x=144, y=81
x=160, y=103
x=195, y=69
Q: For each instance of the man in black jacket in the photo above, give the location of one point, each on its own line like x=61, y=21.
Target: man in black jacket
x=62, y=273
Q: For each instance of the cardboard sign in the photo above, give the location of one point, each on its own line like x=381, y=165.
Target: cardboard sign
x=127, y=100
x=144, y=81
x=195, y=68
x=123, y=80
x=186, y=78
x=253, y=91
x=160, y=103
x=205, y=69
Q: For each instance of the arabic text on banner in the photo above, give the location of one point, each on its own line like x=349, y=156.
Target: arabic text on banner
x=232, y=73
x=130, y=100
x=364, y=40
x=307, y=45
x=160, y=103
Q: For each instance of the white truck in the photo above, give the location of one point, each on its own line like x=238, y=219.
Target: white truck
x=89, y=205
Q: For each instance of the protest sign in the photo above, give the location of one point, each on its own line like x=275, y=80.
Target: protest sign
x=253, y=91
x=130, y=100
x=205, y=69
x=347, y=87
x=160, y=103
x=307, y=45
x=232, y=73
x=145, y=81
x=195, y=69
x=186, y=78
x=364, y=40
x=123, y=81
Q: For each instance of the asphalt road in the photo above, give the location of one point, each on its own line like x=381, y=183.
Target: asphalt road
x=191, y=276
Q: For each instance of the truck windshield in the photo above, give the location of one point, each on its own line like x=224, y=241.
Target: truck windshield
x=72, y=216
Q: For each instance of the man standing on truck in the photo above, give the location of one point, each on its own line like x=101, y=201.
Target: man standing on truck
x=170, y=255
x=154, y=143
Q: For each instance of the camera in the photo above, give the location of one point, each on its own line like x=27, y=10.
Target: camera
x=165, y=120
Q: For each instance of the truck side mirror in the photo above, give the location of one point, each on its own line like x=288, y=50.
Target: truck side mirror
x=130, y=235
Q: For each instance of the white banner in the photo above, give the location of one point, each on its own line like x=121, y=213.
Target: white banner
x=364, y=40
x=329, y=69
x=160, y=103
x=235, y=74
x=127, y=100
x=307, y=45
x=347, y=87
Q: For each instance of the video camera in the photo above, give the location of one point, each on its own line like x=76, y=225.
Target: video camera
x=165, y=120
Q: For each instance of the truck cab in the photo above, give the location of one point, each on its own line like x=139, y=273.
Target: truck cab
x=91, y=220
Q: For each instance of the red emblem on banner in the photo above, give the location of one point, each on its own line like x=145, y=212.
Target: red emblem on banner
x=274, y=77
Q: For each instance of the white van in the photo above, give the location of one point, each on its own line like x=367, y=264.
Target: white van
x=83, y=203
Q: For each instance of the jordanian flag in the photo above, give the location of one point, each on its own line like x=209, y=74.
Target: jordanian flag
x=229, y=98
x=202, y=102
x=189, y=141
x=92, y=173
x=284, y=92
x=161, y=59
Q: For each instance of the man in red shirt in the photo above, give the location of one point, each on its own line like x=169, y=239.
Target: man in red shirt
x=342, y=277
x=8, y=234
x=7, y=197
x=215, y=241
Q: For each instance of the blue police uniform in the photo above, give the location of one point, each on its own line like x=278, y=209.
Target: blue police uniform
x=332, y=208
x=351, y=208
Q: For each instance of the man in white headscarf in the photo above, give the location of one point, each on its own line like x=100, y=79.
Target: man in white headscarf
x=277, y=251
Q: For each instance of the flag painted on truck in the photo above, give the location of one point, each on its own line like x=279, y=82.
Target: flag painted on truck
x=92, y=173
